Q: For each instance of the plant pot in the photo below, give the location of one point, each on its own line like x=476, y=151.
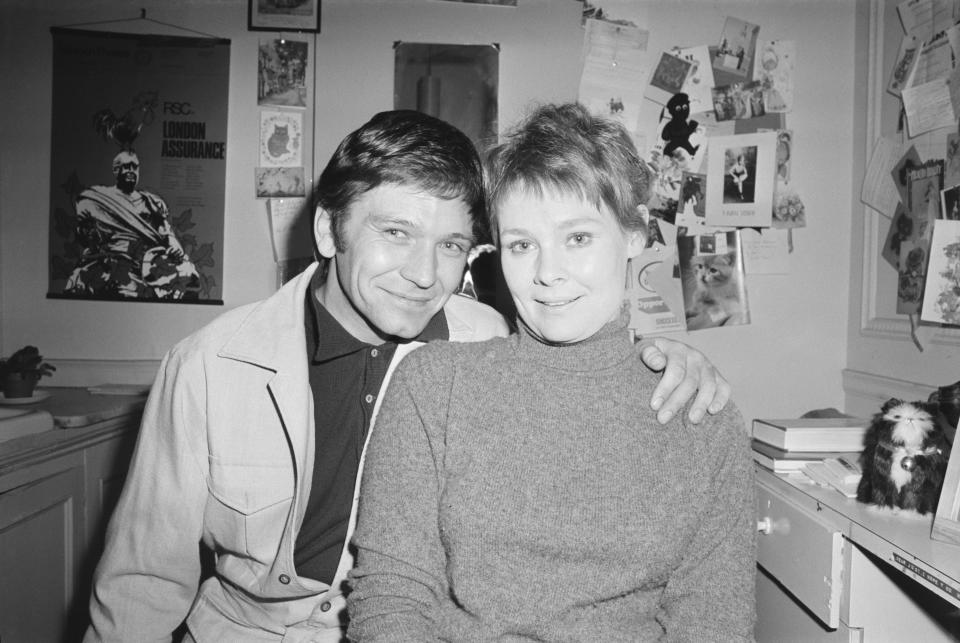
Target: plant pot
x=16, y=386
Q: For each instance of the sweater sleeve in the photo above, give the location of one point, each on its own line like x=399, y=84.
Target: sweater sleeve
x=399, y=578
x=147, y=578
x=710, y=596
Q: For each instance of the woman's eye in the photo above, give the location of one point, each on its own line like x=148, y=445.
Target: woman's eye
x=520, y=246
x=580, y=239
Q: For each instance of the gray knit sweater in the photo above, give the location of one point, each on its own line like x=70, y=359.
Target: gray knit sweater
x=515, y=491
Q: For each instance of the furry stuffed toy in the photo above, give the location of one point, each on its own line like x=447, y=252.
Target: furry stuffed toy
x=904, y=458
x=678, y=131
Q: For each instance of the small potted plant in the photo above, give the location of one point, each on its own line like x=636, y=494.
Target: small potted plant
x=20, y=372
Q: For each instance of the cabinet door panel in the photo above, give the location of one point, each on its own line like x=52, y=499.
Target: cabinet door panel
x=41, y=537
x=801, y=551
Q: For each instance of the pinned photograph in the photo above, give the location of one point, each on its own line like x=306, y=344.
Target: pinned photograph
x=281, y=139
x=788, y=208
x=900, y=172
x=655, y=291
x=740, y=179
x=282, y=73
x=901, y=230
x=283, y=15
x=912, y=273
x=774, y=72
x=277, y=182
x=941, y=297
x=738, y=101
x=950, y=203
x=951, y=173
x=669, y=77
x=693, y=196
x=712, y=274
x=700, y=82
x=737, y=47
x=925, y=183
x=906, y=58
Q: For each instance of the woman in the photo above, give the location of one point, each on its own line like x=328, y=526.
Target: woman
x=514, y=489
x=738, y=171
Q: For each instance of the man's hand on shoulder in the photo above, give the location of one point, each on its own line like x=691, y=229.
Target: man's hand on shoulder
x=686, y=372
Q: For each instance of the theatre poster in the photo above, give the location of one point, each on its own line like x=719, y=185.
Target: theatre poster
x=138, y=167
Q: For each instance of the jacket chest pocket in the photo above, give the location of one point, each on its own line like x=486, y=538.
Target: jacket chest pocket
x=249, y=508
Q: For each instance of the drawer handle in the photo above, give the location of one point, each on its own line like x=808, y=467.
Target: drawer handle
x=765, y=526
x=768, y=525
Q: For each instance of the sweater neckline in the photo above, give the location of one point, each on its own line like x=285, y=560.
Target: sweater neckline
x=607, y=348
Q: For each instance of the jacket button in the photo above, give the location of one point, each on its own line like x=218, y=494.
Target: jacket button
x=325, y=606
x=284, y=579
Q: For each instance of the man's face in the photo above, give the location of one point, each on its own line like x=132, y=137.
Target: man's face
x=126, y=168
x=405, y=255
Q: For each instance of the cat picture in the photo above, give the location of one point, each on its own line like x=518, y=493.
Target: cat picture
x=278, y=141
x=281, y=139
x=715, y=292
x=904, y=459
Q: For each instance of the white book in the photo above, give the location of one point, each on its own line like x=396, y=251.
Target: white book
x=812, y=434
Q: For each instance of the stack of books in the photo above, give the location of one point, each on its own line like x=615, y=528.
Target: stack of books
x=788, y=445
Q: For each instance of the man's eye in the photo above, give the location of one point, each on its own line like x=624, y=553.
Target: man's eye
x=396, y=233
x=453, y=248
x=580, y=239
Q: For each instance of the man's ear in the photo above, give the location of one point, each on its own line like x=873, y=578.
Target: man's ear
x=323, y=233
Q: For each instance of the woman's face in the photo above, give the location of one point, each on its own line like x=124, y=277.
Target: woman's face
x=564, y=262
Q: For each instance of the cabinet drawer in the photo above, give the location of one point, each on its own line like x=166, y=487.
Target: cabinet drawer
x=803, y=552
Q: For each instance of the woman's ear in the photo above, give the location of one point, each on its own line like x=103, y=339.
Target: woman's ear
x=637, y=239
x=323, y=233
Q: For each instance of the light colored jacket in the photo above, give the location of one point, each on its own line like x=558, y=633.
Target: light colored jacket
x=225, y=454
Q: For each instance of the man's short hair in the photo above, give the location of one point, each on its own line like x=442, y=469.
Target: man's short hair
x=403, y=147
x=566, y=149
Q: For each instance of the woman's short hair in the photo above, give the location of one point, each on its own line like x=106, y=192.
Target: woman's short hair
x=564, y=148
x=403, y=147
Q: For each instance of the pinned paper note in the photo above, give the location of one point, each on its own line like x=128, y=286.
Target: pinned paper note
x=290, y=227
x=765, y=252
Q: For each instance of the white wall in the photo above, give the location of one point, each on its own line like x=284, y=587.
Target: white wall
x=788, y=360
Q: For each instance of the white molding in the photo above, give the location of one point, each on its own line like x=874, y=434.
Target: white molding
x=866, y=392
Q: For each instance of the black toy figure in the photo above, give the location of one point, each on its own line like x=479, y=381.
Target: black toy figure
x=904, y=458
x=678, y=131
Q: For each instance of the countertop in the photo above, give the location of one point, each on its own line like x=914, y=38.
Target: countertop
x=80, y=418
x=77, y=407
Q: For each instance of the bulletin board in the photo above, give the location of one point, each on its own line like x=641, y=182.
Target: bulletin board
x=889, y=305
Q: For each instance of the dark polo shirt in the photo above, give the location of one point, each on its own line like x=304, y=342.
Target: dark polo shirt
x=345, y=377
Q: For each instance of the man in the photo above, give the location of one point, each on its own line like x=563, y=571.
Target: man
x=129, y=247
x=253, y=436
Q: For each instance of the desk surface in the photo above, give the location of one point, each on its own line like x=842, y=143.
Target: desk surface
x=902, y=540
x=79, y=418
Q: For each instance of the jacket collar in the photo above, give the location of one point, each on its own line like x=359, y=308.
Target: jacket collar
x=263, y=338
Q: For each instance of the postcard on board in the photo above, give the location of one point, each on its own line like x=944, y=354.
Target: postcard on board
x=740, y=176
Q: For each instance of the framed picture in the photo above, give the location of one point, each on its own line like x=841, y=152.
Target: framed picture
x=946, y=522
x=283, y=15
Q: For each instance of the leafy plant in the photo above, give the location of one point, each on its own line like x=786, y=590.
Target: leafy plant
x=27, y=363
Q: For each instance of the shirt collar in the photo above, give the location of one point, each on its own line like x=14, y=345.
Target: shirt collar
x=331, y=340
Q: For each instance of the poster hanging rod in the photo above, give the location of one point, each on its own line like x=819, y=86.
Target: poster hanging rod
x=143, y=16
